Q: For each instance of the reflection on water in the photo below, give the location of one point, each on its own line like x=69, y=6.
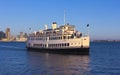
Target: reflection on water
x=16, y=60
x=56, y=64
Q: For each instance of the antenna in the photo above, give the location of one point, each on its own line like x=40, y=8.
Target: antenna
x=64, y=17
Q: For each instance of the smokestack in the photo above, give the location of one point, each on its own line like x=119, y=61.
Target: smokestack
x=54, y=25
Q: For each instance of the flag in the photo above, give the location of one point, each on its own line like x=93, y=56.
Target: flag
x=87, y=25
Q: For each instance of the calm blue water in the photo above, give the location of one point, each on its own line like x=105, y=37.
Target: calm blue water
x=104, y=59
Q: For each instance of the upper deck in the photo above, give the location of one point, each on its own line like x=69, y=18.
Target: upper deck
x=65, y=31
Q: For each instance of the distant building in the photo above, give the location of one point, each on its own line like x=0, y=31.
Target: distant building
x=2, y=35
x=8, y=33
x=25, y=35
x=22, y=37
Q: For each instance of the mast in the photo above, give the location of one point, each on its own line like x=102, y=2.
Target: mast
x=64, y=17
x=88, y=29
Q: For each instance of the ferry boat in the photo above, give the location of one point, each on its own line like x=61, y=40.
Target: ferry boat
x=64, y=39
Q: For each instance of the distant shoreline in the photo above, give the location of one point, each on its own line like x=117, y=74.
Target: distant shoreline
x=105, y=41
x=90, y=41
x=12, y=41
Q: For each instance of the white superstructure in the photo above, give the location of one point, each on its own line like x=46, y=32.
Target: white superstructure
x=64, y=37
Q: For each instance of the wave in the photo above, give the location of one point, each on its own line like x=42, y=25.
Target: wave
x=13, y=47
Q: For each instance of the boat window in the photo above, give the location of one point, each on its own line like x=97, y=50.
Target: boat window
x=62, y=44
x=64, y=37
x=67, y=44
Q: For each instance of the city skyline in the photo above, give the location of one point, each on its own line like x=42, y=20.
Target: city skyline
x=8, y=36
x=102, y=16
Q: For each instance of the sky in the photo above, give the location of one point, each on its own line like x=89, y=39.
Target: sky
x=103, y=16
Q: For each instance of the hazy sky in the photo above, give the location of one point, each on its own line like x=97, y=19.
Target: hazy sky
x=102, y=15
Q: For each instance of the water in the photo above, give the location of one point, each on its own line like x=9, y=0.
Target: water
x=104, y=59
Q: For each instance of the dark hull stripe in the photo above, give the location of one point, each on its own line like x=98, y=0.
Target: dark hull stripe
x=80, y=51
